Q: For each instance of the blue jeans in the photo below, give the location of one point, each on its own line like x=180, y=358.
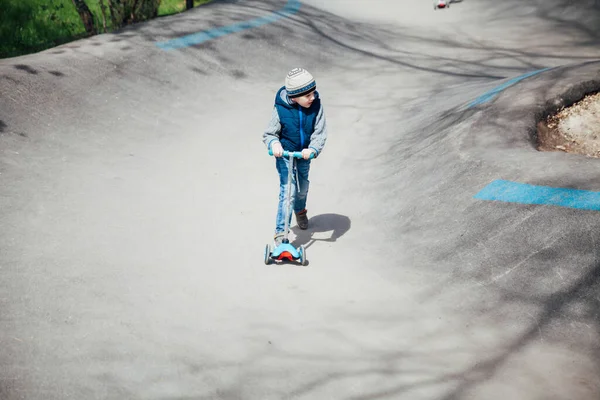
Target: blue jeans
x=299, y=189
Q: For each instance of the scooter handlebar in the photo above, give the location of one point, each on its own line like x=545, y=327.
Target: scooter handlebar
x=295, y=154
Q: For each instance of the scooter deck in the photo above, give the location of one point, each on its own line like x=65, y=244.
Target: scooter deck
x=285, y=250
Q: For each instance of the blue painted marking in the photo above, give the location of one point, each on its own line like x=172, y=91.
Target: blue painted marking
x=513, y=192
x=489, y=95
x=290, y=8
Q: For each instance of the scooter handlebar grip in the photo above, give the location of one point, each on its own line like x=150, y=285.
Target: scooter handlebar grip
x=296, y=154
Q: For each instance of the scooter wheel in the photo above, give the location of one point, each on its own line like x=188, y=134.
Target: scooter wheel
x=268, y=254
x=303, y=259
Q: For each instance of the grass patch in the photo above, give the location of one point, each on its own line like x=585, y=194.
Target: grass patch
x=168, y=7
x=33, y=25
x=29, y=26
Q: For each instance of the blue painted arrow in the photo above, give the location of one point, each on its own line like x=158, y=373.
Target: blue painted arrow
x=513, y=192
x=490, y=94
x=193, y=39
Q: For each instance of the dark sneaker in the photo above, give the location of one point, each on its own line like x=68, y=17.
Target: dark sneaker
x=302, y=219
x=278, y=239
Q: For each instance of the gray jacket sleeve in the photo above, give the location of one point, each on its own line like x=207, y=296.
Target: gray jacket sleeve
x=319, y=136
x=271, y=134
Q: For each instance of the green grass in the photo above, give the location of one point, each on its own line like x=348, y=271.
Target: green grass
x=168, y=7
x=29, y=26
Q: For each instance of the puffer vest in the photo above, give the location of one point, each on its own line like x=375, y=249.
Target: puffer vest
x=297, y=122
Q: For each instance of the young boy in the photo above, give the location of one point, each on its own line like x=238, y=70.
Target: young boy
x=297, y=124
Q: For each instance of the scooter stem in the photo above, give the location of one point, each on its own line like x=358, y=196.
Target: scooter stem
x=289, y=198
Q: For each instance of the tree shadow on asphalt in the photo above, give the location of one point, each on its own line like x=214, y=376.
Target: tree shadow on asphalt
x=456, y=55
x=404, y=372
x=394, y=46
x=575, y=18
x=552, y=274
x=552, y=277
x=524, y=302
x=397, y=47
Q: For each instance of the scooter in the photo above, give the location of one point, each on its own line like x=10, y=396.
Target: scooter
x=285, y=250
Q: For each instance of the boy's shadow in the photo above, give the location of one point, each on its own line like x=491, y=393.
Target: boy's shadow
x=318, y=226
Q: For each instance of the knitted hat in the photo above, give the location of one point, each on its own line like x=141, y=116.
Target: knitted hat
x=299, y=82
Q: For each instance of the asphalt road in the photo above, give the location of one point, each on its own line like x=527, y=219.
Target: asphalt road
x=136, y=199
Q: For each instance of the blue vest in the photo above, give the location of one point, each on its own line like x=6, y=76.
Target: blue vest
x=297, y=122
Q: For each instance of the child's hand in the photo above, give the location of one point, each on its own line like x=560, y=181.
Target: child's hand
x=277, y=149
x=306, y=153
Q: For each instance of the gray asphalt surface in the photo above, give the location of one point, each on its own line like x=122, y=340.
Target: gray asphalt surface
x=136, y=199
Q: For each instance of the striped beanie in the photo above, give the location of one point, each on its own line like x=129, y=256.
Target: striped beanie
x=299, y=82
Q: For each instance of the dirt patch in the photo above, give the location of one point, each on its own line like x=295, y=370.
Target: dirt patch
x=573, y=129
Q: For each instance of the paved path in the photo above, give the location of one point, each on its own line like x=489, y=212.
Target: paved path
x=136, y=199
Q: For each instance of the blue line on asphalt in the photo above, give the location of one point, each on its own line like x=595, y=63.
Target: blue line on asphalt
x=489, y=95
x=290, y=8
x=513, y=192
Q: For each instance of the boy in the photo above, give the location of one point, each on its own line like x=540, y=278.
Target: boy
x=297, y=124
